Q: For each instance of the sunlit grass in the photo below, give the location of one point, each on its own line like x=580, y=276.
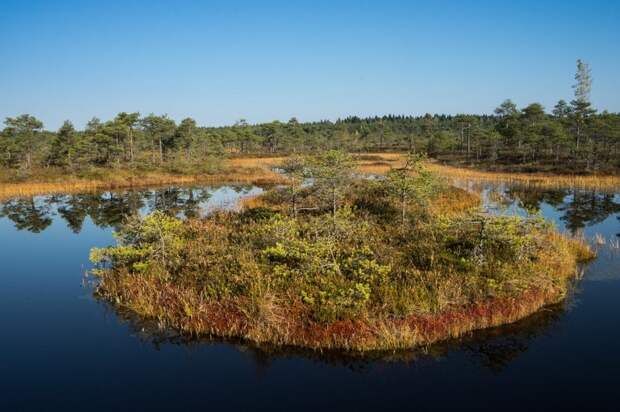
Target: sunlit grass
x=606, y=182
x=261, y=170
x=123, y=178
x=381, y=163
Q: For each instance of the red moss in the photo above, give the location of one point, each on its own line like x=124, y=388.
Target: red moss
x=295, y=328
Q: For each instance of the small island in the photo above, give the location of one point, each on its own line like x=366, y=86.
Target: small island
x=338, y=259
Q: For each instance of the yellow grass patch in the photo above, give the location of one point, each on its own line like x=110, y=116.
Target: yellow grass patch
x=127, y=180
x=258, y=170
x=607, y=182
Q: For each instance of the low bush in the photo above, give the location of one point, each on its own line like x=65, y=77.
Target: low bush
x=362, y=278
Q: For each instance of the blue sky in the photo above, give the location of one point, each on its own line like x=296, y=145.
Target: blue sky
x=219, y=61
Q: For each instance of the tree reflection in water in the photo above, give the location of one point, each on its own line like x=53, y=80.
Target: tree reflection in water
x=29, y=214
x=109, y=209
x=577, y=208
x=588, y=208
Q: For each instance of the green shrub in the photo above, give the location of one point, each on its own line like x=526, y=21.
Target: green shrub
x=354, y=264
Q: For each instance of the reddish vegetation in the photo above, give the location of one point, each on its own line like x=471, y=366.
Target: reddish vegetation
x=291, y=327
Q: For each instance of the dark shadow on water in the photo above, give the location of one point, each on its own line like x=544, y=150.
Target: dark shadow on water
x=493, y=348
x=496, y=348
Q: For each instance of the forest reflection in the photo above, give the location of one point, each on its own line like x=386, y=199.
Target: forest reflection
x=109, y=209
x=576, y=208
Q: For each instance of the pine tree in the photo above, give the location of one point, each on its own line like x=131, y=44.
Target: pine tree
x=581, y=108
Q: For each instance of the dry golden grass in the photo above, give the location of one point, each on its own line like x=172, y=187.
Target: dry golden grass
x=387, y=161
x=381, y=164
x=606, y=182
x=454, y=202
x=258, y=170
x=255, y=162
x=252, y=202
x=124, y=179
x=377, y=163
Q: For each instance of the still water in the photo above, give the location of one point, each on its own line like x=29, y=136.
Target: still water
x=61, y=349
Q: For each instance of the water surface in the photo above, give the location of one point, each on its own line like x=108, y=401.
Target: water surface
x=61, y=349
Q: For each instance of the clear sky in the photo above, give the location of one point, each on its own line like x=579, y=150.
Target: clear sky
x=219, y=61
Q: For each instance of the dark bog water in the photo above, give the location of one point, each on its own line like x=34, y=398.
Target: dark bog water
x=61, y=349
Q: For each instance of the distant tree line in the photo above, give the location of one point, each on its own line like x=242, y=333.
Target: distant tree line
x=573, y=135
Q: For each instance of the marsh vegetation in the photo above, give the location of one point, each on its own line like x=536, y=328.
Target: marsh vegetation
x=335, y=260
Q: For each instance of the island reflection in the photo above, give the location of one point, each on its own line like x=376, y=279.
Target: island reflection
x=493, y=349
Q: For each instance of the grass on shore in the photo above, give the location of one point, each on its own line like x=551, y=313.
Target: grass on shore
x=256, y=170
x=386, y=161
x=381, y=163
x=259, y=170
x=599, y=182
x=357, y=281
x=56, y=181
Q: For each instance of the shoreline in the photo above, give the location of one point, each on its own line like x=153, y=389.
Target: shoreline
x=544, y=180
x=221, y=320
x=257, y=170
x=270, y=319
x=151, y=179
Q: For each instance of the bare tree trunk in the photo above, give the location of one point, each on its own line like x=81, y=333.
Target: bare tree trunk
x=468, y=144
x=161, y=151
x=131, y=145
x=578, y=138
